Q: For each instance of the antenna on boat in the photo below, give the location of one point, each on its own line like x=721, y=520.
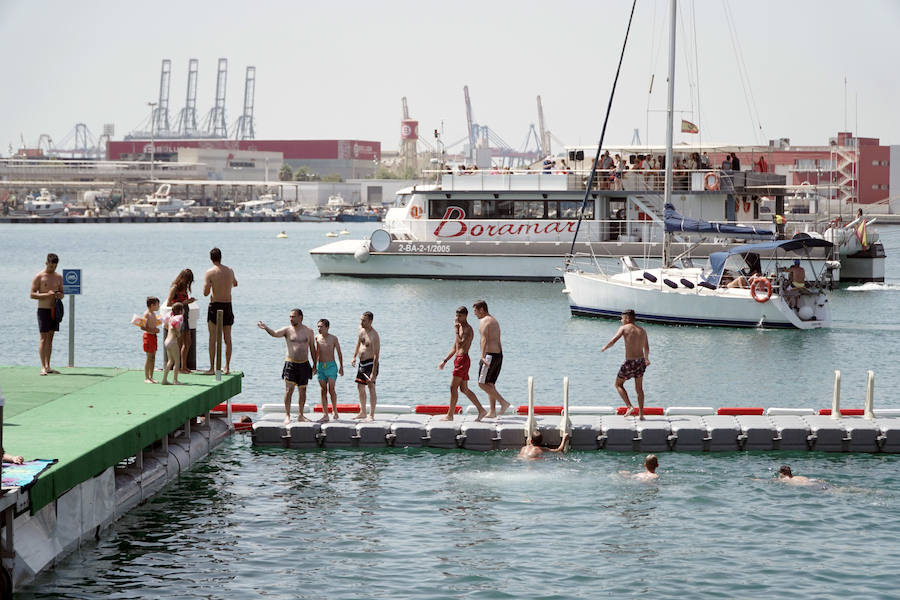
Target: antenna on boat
x=591, y=177
x=670, y=122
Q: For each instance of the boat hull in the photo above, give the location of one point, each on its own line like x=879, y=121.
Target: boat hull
x=357, y=218
x=596, y=295
x=864, y=266
x=502, y=261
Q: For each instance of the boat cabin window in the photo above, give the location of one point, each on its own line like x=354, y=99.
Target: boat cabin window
x=402, y=200
x=508, y=209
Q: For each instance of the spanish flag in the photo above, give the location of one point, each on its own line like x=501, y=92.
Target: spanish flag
x=861, y=234
x=688, y=127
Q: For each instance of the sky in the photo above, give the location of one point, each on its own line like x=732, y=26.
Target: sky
x=746, y=72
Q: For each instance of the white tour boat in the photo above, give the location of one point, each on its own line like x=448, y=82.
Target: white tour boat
x=519, y=225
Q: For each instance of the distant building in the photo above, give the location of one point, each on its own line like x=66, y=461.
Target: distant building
x=857, y=168
x=853, y=170
x=349, y=159
x=234, y=165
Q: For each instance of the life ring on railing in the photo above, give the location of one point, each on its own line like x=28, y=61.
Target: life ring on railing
x=758, y=283
x=416, y=211
x=711, y=181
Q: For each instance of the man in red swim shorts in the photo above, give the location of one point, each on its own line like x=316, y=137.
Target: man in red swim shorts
x=637, y=359
x=462, y=340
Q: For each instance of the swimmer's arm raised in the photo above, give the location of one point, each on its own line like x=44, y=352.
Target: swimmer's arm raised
x=562, y=444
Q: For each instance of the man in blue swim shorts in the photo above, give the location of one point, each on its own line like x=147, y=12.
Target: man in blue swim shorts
x=327, y=369
x=637, y=359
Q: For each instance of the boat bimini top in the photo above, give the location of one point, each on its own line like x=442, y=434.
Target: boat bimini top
x=712, y=274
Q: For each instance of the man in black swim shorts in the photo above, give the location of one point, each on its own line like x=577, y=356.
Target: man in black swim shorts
x=297, y=371
x=47, y=288
x=491, y=358
x=217, y=284
x=637, y=359
x=368, y=349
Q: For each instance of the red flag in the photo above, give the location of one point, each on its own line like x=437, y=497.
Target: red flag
x=861, y=234
x=688, y=127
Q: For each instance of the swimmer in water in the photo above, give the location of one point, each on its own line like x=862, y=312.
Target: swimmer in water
x=786, y=476
x=651, y=463
x=533, y=448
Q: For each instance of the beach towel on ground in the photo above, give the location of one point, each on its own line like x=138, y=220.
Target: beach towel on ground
x=24, y=475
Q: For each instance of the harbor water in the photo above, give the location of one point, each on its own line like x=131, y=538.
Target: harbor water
x=420, y=523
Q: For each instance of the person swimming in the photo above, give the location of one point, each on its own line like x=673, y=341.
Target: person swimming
x=785, y=475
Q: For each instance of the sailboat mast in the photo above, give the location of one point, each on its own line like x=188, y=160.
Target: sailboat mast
x=670, y=121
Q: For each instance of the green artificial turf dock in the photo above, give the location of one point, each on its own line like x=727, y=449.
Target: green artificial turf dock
x=92, y=418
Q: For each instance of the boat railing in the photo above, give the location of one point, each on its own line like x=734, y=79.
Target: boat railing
x=607, y=180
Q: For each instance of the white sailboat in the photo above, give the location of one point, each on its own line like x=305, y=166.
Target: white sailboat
x=774, y=297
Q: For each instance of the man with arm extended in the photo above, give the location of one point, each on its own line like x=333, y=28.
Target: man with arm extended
x=217, y=285
x=637, y=359
x=297, y=371
x=47, y=288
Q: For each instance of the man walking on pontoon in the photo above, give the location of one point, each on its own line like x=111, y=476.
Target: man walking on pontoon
x=491, y=357
x=637, y=359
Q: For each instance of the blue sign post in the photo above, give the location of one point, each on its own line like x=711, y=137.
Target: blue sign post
x=72, y=287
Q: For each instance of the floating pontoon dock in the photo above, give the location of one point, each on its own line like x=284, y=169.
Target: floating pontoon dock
x=117, y=440
x=695, y=429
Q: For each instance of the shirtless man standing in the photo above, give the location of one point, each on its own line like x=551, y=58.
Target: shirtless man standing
x=491, y=357
x=297, y=371
x=368, y=348
x=218, y=281
x=327, y=368
x=637, y=359
x=797, y=276
x=47, y=288
x=461, y=343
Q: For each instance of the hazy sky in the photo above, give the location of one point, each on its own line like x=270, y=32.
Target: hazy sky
x=339, y=69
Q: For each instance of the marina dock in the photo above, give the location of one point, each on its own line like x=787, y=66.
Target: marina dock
x=117, y=441
x=692, y=429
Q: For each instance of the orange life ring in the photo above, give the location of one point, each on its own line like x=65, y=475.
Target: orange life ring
x=711, y=181
x=747, y=206
x=416, y=211
x=761, y=282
